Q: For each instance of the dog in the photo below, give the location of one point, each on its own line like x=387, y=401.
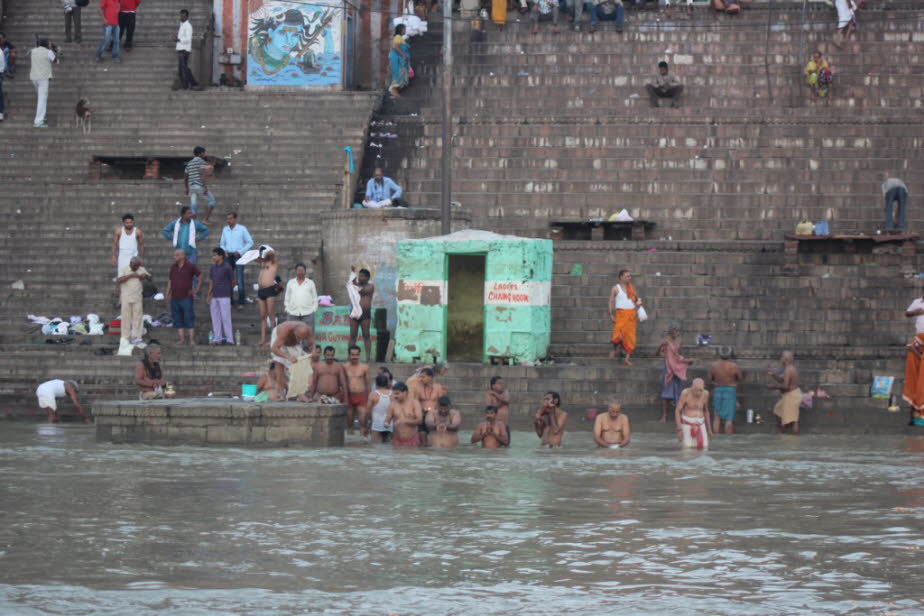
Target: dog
x=83, y=116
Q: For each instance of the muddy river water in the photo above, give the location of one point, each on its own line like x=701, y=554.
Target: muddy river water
x=759, y=525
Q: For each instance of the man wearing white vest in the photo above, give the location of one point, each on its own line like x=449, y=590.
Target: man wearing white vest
x=41, y=59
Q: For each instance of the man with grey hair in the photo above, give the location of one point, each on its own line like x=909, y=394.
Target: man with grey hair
x=894, y=190
x=130, y=295
x=725, y=375
x=787, y=382
x=48, y=394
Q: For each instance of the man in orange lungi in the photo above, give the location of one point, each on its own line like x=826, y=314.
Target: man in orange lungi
x=623, y=307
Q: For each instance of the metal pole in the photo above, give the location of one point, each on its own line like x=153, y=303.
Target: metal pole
x=446, y=188
x=767, y=50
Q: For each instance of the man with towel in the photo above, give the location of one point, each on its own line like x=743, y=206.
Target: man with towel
x=287, y=344
x=787, y=409
x=692, y=417
x=185, y=232
x=725, y=375
x=361, y=291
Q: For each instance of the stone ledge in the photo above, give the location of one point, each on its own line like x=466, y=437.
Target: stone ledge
x=210, y=421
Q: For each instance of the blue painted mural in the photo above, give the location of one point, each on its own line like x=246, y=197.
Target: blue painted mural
x=294, y=44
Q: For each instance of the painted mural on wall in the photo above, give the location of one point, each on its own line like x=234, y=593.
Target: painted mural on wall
x=294, y=44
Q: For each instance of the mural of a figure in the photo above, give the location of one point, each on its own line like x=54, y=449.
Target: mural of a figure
x=294, y=44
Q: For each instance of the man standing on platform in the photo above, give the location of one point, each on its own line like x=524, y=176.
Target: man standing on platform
x=235, y=241
x=361, y=292
x=221, y=280
x=41, y=58
x=301, y=299
x=358, y=386
x=185, y=232
x=184, y=37
x=194, y=182
x=726, y=375
x=550, y=421
x=182, y=287
x=787, y=409
x=127, y=10
x=611, y=429
x=127, y=242
x=109, y=12
x=130, y=296
x=894, y=191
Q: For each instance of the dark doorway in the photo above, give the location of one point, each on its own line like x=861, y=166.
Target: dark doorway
x=465, y=313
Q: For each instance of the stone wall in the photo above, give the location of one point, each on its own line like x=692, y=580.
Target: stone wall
x=210, y=421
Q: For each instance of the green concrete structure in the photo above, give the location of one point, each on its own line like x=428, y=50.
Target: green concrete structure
x=473, y=296
x=332, y=328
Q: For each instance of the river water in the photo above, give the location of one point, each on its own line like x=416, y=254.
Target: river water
x=759, y=525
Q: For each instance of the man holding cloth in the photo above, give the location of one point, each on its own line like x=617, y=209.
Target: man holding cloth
x=235, y=241
x=130, y=294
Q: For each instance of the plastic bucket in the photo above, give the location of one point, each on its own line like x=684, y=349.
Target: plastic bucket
x=248, y=389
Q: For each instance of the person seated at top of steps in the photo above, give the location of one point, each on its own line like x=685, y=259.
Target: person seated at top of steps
x=607, y=10
x=664, y=86
x=382, y=192
x=544, y=10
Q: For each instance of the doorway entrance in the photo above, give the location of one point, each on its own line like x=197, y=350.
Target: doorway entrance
x=465, y=311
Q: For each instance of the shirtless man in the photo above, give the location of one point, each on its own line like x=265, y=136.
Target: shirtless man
x=490, y=432
x=443, y=424
x=550, y=421
x=498, y=396
x=366, y=290
x=270, y=384
x=329, y=378
x=692, y=416
x=427, y=392
x=357, y=376
x=406, y=413
x=725, y=375
x=787, y=409
x=611, y=429
x=268, y=290
x=286, y=346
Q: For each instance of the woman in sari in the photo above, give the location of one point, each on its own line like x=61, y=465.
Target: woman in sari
x=818, y=75
x=399, y=60
x=674, y=372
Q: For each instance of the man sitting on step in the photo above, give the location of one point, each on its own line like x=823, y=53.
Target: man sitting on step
x=382, y=192
x=664, y=86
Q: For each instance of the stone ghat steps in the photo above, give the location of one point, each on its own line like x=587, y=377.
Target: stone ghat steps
x=199, y=370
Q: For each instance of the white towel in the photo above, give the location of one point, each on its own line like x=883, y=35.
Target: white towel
x=192, y=233
x=353, y=291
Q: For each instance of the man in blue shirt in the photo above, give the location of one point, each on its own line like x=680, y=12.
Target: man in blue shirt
x=177, y=232
x=382, y=192
x=235, y=241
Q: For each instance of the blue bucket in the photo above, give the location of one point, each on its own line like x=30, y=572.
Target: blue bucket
x=248, y=390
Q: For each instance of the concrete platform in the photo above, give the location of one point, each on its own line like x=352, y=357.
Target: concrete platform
x=211, y=421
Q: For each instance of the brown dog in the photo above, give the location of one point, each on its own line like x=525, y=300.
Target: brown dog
x=83, y=116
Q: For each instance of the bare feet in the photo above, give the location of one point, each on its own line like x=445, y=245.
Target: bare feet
x=302, y=398
x=612, y=354
x=627, y=361
x=262, y=343
x=663, y=419
x=535, y=29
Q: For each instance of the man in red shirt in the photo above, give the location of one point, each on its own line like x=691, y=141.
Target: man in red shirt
x=127, y=10
x=182, y=287
x=109, y=12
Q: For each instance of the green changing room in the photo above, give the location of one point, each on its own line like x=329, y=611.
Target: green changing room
x=472, y=296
